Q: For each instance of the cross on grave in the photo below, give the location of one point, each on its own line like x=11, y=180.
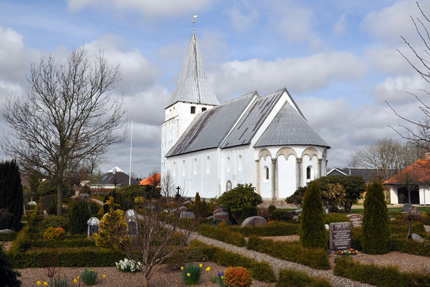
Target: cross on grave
x=177, y=196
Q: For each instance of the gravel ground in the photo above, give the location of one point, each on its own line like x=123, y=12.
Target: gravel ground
x=171, y=278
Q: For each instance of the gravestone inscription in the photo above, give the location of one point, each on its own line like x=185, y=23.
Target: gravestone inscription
x=130, y=216
x=356, y=219
x=340, y=236
x=93, y=226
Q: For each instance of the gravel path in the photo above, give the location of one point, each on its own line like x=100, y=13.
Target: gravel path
x=278, y=264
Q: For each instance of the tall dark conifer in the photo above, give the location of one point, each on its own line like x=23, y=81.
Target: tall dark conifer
x=312, y=229
x=11, y=196
x=376, y=231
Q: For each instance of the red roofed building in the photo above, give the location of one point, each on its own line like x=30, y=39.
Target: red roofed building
x=415, y=179
x=152, y=180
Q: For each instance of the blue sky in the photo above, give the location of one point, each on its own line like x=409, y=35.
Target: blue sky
x=337, y=58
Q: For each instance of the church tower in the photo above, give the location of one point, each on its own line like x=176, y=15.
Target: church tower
x=192, y=95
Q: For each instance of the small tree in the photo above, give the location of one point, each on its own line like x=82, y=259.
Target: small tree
x=79, y=216
x=11, y=196
x=239, y=197
x=376, y=232
x=7, y=275
x=312, y=229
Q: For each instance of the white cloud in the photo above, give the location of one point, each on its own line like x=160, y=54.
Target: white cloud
x=151, y=9
x=394, y=89
x=394, y=21
x=339, y=28
x=299, y=74
x=243, y=20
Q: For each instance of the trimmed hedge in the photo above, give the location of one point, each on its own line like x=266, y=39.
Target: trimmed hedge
x=8, y=236
x=409, y=246
x=261, y=271
x=223, y=234
x=335, y=217
x=377, y=275
x=291, y=251
x=273, y=229
x=71, y=243
x=293, y=278
x=67, y=257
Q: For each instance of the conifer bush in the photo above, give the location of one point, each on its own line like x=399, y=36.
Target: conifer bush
x=11, y=196
x=312, y=229
x=376, y=231
x=79, y=216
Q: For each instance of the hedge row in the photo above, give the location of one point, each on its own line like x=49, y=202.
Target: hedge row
x=223, y=234
x=273, y=229
x=377, y=275
x=291, y=251
x=8, y=236
x=67, y=257
x=293, y=278
x=261, y=271
x=71, y=243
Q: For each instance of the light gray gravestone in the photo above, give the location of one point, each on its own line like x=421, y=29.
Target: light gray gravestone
x=131, y=217
x=93, y=226
x=340, y=236
x=356, y=219
x=406, y=207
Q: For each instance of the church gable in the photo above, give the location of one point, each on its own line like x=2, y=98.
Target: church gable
x=210, y=128
x=289, y=128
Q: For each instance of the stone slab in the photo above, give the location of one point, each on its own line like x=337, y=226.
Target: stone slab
x=340, y=236
x=356, y=219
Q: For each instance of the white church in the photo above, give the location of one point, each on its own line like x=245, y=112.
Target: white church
x=209, y=148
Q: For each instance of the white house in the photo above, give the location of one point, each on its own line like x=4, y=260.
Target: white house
x=263, y=140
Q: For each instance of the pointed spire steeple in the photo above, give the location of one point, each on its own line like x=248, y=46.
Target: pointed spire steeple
x=193, y=85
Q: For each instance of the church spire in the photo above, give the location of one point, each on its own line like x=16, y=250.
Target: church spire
x=193, y=85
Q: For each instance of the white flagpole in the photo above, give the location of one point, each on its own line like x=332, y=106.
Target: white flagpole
x=131, y=149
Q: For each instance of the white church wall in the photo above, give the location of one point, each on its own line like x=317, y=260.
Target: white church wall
x=287, y=177
x=239, y=169
x=310, y=162
x=266, y=173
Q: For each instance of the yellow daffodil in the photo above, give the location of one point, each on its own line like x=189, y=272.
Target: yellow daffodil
x=77, y=277
x=201, y=265
x=39, y=283
x=182, y=268
x=74, y=280
x=188, y=274
x=104, y=276
x=208, y=269
x=45, y=283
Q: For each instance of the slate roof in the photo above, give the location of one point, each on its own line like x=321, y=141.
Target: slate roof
x=116, y=176
x=290, y=128
x=210, y=128
x=366, y=173
x=193, y=85
x=251, y=121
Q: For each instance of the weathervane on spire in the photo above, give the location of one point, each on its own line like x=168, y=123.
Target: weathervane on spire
x=194, y=20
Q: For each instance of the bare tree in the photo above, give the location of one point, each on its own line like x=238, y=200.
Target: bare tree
x=67, y=118
x=161, y=232
x=387, y=157
x=420, y=62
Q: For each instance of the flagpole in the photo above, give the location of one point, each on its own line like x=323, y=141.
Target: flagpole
x=131, y=149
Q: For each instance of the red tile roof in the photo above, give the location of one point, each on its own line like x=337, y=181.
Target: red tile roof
x=418, y=172
x=151, y=180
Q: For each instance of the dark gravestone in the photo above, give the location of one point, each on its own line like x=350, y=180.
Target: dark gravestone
x=340, y=236
x=93, y=226
x=221, y=214
x=406, y=207
x=131, y=217
x=356, y=219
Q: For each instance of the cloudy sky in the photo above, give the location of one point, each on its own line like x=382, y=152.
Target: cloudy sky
x=337, y=58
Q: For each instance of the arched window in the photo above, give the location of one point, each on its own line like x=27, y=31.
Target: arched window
x=240, y=164
x=183, y=167
x=193, y=109
x=228, y=186
x=309, y=172
x=208, y=165
x=195, y=166
x=174, y=168
x=228, y=164
x=267, y=173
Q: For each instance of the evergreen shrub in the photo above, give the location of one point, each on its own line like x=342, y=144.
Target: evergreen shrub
x=276, y=228
x=335, y=217
x=293, y=278
x=54, y=221
x=378, y=275
x=223, y=234
x=376, y=232
x=7, y=275
x=246, y=212
x=8, y=236
x=291, y=251
x=282, y=215
x=312, y=229
x=237, y=277
x=78, y=217
x=11, y=196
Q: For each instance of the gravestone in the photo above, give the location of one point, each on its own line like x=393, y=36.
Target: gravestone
x=221, y=214
x=356, y=219
x=187, y=214
x=406, y=207
x=93, y=226
x=131, y=217
x=416, y=237
x=45, y=214
x=340, y=236
x=254, y=221
x=414, y=211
